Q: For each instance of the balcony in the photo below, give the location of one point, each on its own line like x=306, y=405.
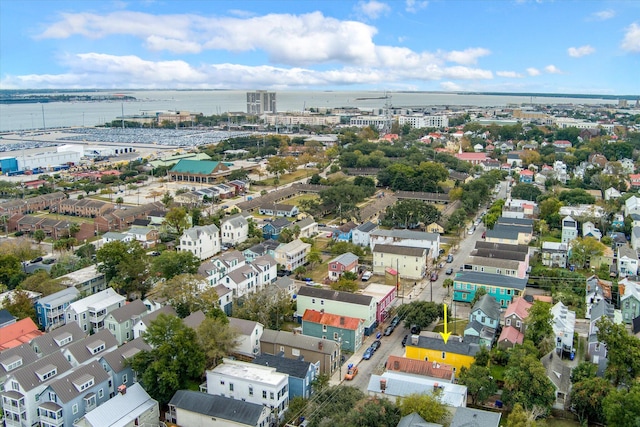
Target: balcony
x=97, y=317
x=50, y=413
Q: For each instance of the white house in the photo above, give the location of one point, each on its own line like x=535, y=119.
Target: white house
x=91, y=311
x=414, y=239
x=140, y=327
x=249, y=335
x=308, y=226
x=632, y=205
x=203, y=241
x=627, y=261
x=611, y=194
x=241, y=281
x=564, y=324
x=292, y=255
x=266, y=269
x=234, y=230
x=635, y=238
x=569, y=229
x=589, y=230
x=251, y=383
x=360, y=234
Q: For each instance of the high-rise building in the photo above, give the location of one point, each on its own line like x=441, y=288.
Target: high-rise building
x=260, y=102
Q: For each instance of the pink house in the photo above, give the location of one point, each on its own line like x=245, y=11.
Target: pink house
x=634, y=179
x=562, y=143
x=514, y=326
x=384, y=296
x=342, y=263
x=473, y=158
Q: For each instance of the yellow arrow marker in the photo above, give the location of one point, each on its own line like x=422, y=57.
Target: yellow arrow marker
x=445, y=334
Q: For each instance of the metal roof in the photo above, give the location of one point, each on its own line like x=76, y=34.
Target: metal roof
x=120, y=411
x=293, y=368
x=328, y=294
x=489, y=279
x=201, y=167
x=400, y=250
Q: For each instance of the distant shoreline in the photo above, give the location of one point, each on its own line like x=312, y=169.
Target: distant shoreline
x=58, y=94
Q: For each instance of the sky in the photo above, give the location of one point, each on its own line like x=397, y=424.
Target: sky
x=543, y=46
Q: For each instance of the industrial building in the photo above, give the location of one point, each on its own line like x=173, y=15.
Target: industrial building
x=261, y=102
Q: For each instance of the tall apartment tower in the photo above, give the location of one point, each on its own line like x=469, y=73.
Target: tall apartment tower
x=260, y=102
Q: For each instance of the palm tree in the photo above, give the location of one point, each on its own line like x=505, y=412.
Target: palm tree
x=447, y=284
x=74, y=228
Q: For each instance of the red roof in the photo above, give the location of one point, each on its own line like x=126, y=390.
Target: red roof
x=420, y=367
x=562, y=142
x=520, y=307
x=511, y=335
x=634, y=176
x=471, y=156
x=335, y=320
x=526, y=172
x=18, y=333
x=543, y=298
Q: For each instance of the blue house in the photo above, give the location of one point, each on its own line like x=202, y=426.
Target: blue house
x=272, y=230
x=502, y=288
x=115, y=363
x=349, y=331
x=484, y=320
x=73, y=395
x=50, y=309
x=301, y=373
x=344, y=232
x=268, y=247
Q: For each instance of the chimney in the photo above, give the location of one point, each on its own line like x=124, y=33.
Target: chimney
x=414, y=339
x=383, y=384
x=342, y=320
x=122, y=389
x=320, y=345
x=396, y=365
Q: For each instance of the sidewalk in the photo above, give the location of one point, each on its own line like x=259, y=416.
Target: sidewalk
x=338, y=376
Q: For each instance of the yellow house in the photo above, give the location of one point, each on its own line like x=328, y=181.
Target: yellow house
x=434, y=227
x=431, y=347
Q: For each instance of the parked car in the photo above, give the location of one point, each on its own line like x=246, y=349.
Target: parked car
x=449, y=271
x=415, y=329
x=388, y=331
x=404, y=340
x=449, y=258
x=49, y=261
x=434, y=276
x=376, y=345
x=352, y=371
x=395, y=321
x=484, y=234
x=366, y=276
x=37, y=259
x=368, y=353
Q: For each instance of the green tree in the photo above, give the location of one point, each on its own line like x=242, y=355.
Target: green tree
x=623, y=352
x=576, y=196
x=286, y=236
x=41, y=282
x=10, y=270
x=21, y=248
x=267, y=306
x=86, y=251
x=177, y=219
x=176, y=358
x=480, y=292
x=410, y=213
x=621, y=407
x=125, y=265
x=539, y=322
x=525, y=192
x=188, y=293
x=421, y=313
x=457, y=221
x=216, y=338
x=332, y=405
x=447, y=284
x=167, y=199
x=585, y=248
x=373, y=412
x=170, y=264
x=519, y=417
x=587, y=397
x=314, y=258
x=428, y=406
x=20, y=305
x=583, y=371
x=480, y=384
x=526, y=381
x=39, y=236
x=345, y=284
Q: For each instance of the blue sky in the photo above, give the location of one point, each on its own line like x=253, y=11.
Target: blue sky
x=556, y=46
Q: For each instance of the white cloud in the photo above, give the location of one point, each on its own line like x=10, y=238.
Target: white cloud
x=412, y=6
x=552, y=69
x=372, y=9
x=467, y=56
x=533, y=71
x=157, y=43
x=450, y=86
x=631, y=40
x=577, y=52
x=509, y=74
x=603, y=15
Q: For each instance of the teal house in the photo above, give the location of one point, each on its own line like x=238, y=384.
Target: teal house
x=504, y=289
x=348, y=331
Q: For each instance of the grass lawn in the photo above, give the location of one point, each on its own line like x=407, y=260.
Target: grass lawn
x=287, y=178
x=497, y=372
x=455, y=326
x=296, y=200
x=559, y=422
x=61, y=217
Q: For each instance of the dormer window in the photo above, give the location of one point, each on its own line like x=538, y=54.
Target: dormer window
x=11, y=363
x=96, y=347
x=47, y=372
x=84, y=382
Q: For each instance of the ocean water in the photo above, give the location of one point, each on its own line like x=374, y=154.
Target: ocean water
x=17, y=117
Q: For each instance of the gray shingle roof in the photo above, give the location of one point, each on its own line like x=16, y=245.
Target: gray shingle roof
x=367, y=226
x=27, y=376
x=294, y=368
x=489, y=279
x=23, y=351
x=80, y=350
x=401, y=250
x=129, y=311
x=345, y=259
x=116, y=358
x=46, y=344
x=328, y=294
x=415, y=420
x=489, y=306
x=194, y=232
x=245, y=327
x=468, y=417
x=458, y=345
x=61, y=296
x=407, y=234
x=236, y=220
x=480, y=244
x=66, y=390
x=504, y=232
x=217, y=406
x=167, y=309
x=526, y=222
x=298, y=341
